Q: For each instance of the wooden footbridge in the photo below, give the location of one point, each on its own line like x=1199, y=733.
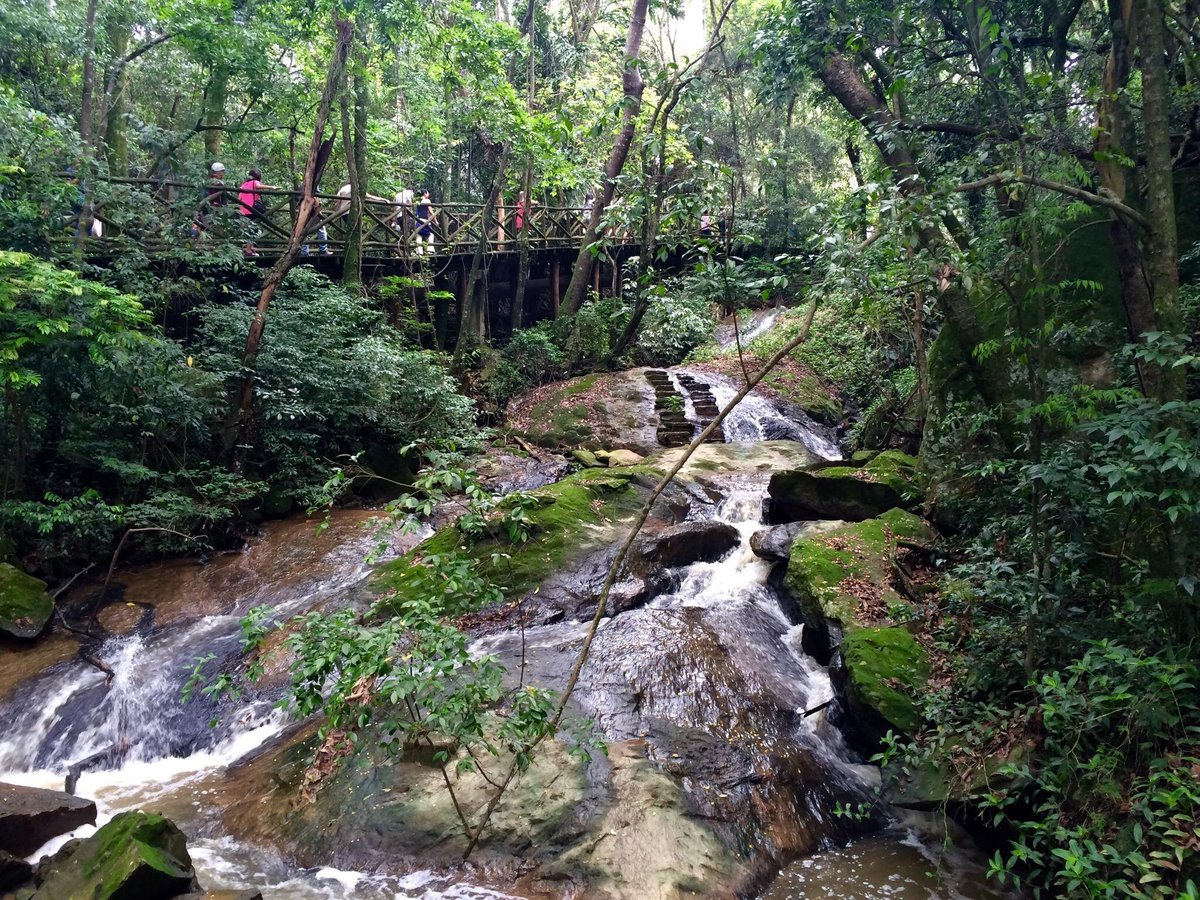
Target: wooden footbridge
x=162, y=215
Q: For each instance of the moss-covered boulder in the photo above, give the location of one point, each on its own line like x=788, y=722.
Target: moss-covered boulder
x=136, y=856
x=580, y=516
x=842, y=579
x=882, y=674
x=845, y=492
x=598, y=411
x=25, y=607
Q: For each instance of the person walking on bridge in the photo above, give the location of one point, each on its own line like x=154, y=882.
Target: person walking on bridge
x=250, y=205
x=424, y=225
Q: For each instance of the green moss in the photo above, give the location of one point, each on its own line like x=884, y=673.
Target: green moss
x=887, y=670
x=820, y=566
x=25, y=607
x=809, y=393
x=575, y=515
x=135, y=854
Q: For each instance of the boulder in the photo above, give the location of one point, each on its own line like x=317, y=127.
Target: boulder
x=833, y=576
x=586, y=458
x=684, y=544
x=136, y=856
x=775, y=543
x=13, y=871
x=881, y=675
x=31, y=816
x=844, y=492
x=25, y=607
x=622, y=457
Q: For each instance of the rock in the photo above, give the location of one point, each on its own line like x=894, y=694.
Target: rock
x=136, y=856
x=844, y=492
x=882, y=673
x=684, y=544
x=31, y=816
x=831, y=575
x=13, y=870
x=25, y=607
x=622, y=457
x=586, y=458
x=776, y=542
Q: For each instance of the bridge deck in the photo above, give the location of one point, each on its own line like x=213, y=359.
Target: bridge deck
x=165, y=214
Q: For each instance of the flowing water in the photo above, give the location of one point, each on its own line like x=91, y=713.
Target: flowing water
x=713, y=651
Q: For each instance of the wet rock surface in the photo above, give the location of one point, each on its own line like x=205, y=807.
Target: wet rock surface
x=31, y=816
x=775, y=543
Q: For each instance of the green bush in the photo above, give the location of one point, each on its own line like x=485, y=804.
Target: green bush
x=674, y=326
x=332, y=377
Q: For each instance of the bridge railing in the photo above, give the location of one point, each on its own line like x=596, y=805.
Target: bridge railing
x=157, y=214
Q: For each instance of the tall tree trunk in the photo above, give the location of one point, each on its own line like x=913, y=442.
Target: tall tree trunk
x=472, y=315
x=1162, y=245
x=354, y=142
x=633, y=85
x=305, y=218
x=86, y=112
x=518, y=304
x=116, y=143
x=215, y=97
x=845, y=83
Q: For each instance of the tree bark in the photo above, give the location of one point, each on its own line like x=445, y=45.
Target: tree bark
x=354, y=142
x=633, y=85
x=86, y=103
x=1162, y=244
x=116, y=144
x=214, y=109
x=844, y=82
x=305, y=217
x=471, y=314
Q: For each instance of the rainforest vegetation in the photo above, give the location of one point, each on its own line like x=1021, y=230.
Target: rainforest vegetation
x=976, y=224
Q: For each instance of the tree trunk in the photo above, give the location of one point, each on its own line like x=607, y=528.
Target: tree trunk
x=471, y=316
x=354, y=142
x=86, y=113
x=306, y=215
x=116, y=143
x=846, y=85
x=1162, y=246
x=214, y=110
x=634, y=85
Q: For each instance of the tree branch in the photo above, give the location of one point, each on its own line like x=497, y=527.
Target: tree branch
x=1069, y=190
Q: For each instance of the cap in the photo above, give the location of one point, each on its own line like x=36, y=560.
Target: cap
x=217, y=167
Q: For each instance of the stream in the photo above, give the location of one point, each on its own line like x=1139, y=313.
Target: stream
x=712, y=651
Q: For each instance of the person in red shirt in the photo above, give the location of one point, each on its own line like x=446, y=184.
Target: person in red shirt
x=250, y=203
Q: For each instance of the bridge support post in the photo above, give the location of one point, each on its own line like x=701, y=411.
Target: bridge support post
x=556, y=283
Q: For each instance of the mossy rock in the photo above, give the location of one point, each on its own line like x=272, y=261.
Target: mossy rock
x=829, y=573
x=852, y=493
x=136, y=855
x=809, y=393
x=884, y=672
x=25, y=607
x=586, y=458
x=573, y=517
